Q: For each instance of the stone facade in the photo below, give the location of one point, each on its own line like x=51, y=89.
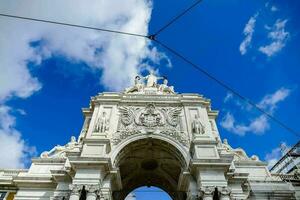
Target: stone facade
x=146, y=135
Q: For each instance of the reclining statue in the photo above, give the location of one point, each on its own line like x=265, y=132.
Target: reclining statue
x=59, y=151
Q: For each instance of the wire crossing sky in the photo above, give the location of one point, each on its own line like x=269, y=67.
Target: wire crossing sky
x=153, y=38
x=250, y=49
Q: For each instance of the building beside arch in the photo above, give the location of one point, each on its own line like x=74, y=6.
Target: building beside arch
x=148, y=135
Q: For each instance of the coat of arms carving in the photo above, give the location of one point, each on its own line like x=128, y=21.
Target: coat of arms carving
x=150, y=119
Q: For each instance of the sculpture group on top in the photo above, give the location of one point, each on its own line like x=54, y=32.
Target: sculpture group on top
x=150, y=83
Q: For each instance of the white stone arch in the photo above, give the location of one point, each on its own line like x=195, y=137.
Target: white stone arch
x=183, y=150
x=131, y=158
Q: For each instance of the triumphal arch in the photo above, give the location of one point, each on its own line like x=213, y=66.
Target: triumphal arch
x=148, y=135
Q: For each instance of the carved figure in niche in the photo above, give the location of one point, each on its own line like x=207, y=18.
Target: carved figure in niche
x=165, y=88
x=151, y=79
x=58, y=150
x=102, y=124
x=138, y=85
x=212, y=125
x=197, y=126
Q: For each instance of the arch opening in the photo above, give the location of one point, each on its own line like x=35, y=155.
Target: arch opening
x=145, y=192
x=150, y=162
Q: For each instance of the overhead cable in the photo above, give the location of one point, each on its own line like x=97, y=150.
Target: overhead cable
x=152, y=37
x=73, y=25
x=228, y=88
x=177, y=17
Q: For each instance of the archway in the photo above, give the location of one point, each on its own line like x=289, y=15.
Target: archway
x=147, y=193
x=150, y=162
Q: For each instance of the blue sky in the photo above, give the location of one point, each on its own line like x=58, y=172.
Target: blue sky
x=48, y=73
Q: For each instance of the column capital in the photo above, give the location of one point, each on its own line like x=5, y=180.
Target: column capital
x=207, y=190
x=224, y=190
x=92, y=188
x=75, y=188
x=92, y=192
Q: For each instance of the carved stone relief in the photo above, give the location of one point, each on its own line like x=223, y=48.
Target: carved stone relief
x=102, y=123
x=137, y=120
x=197, y=126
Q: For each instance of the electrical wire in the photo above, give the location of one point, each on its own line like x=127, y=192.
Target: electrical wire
x=224, y=85
x=153, y=38
x=177, y=17
x=72, y=25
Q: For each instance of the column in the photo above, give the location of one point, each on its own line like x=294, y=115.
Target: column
x=225, y=193
x=207, y=192
x=75, y=191
x=92, y=191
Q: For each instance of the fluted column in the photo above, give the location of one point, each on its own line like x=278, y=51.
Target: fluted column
x=92, y=191
x=207, y=192
x=225, y=193
x=75, y=192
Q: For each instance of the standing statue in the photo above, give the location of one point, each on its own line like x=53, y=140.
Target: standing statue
x=152, y=79
x=102, y=124
x=197, y=126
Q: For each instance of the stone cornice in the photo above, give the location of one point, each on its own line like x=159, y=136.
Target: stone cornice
x=223, y=163
x=249, y=163
x=49, y=161
x=90, y=162
x=36, y=181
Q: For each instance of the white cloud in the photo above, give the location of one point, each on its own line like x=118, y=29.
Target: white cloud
x=248, y=32
x=275, y=154
x=118, y=57
x=259, y=124
x=274, y=9
x=228, y=97
x=11, y=141
x=278, y=36
x=270, y=101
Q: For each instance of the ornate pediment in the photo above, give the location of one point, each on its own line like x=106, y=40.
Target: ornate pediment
x=150, y=119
